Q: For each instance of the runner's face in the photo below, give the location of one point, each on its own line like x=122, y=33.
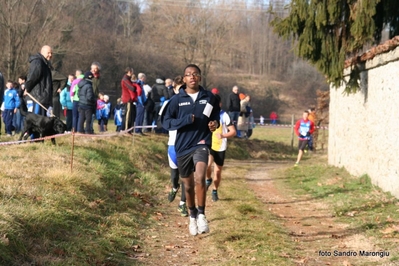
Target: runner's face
x=305, y=116
x=192, y=77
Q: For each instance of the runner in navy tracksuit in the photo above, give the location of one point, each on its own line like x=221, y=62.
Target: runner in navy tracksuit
x=194, y=113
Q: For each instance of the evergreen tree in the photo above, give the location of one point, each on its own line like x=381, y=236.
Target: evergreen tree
x=329, y=31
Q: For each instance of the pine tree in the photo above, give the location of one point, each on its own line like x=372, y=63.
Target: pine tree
x=329, y=31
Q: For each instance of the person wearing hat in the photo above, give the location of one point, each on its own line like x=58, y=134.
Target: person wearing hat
x=215, y=91
x=87, y=103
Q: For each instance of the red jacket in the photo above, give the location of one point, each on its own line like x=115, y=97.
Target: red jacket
x=130, y=90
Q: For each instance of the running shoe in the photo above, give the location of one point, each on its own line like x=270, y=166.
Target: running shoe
x=183, y=210
x=172, y=194
x=208, y=183
x=296, y=164
x=202, y=224
x=215, y=195
x=192, y=227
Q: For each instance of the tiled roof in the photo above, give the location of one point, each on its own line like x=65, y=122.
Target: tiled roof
x=376, y=50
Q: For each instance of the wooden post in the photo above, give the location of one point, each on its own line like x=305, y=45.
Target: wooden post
x=292, y=131
x=72, y=149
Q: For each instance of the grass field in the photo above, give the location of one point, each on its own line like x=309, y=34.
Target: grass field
x=93, y=214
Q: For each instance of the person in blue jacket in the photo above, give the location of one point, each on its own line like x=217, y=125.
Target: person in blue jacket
x=11, y=104
x=194, y=113
x=66, y=102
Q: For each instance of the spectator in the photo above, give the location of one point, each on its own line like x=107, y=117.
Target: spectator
x=194, y=113
x=59, y=83
x=129, y=96
x=39, y=82
x=273, y=118
x=148, y=104
x=11, y=103
x=218, y=150
x=169, y=86
x=66, y=102
x=118, y=115
x=21, y=81
x=233, y=106
x=261, y=120
x=1, y=93
x=140, y=110
x=17, y=121
x=74, y=92
x=159, y=94
x=215, y=91
x=243, y=119
x=95, y=69
x=87, y=103
x=303, y=129
x=99, y=111
x=106, y=112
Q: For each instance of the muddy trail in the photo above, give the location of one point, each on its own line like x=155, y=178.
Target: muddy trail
x=318, y=237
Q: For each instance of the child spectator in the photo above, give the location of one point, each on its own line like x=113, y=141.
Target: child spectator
x=118, y=115
x=11, y=104
x=17, y=121
x=99, y=111
x=66, y=102
x=106, y=112
x=262, y=120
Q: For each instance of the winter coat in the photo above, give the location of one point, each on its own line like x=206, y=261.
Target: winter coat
x=59, y=82
x=86, y=94
x=11, y=99
x=159, y=90
x=130, y=90
x=233, y=103
x=65, y=99
x=39, y=82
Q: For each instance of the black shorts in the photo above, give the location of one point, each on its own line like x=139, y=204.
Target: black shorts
x=186, y=163
x=218, y=157
x=302, y=144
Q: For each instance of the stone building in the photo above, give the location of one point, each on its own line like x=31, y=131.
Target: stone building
x=364, y=126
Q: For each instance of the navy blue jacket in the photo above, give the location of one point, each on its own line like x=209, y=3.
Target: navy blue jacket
x=87, y=98
x=178, y=116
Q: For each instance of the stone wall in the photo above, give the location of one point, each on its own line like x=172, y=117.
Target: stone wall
x=364, y=127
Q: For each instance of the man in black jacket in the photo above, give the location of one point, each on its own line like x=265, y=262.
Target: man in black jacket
x=159, y=94
x=233, y=106
x=39, y=82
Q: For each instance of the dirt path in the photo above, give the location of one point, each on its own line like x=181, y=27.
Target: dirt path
x=311, y=224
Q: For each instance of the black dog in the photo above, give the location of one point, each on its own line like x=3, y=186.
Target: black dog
x=40, y=125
